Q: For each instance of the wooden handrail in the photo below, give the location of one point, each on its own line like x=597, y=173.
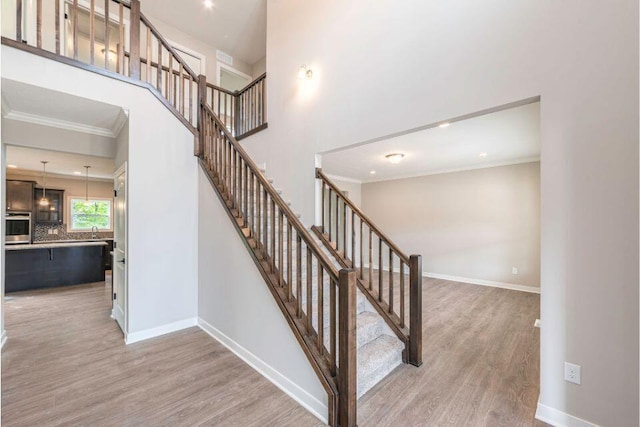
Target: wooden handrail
x=220, y=89
x=167, y=46
x=297, y=224
x=247, y=87
x=411, y=333
x=253, y=202
x=365, y=218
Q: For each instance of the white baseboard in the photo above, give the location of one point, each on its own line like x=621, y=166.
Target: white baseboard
x=3, y=340
x=309, y=402
x=560, y=419
x=481, y=282
x=502, y=285
x=160, y=330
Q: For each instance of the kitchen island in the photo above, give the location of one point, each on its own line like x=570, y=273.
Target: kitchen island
x=50, y=265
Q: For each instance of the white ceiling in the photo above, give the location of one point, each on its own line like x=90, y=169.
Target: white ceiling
x=237, y=27
x=28, y=159
x=507, y=137
x=42, y=106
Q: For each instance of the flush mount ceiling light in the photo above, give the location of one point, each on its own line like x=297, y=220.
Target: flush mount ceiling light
x=444, y=125
x=12, y=166
x=44, y=201
x=372, y=172
x=482, y=155
x=77, y=173
x=305, y=73
x=208, y=4
x=395, y=158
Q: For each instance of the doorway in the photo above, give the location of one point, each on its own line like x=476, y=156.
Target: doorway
x=120, y=248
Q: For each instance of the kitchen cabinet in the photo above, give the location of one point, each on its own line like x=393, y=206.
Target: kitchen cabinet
x=40, y=266
x=52, y=213
x=19, y=196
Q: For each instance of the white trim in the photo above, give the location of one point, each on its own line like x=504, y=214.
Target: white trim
x=511, y=286
x=60, y=124
x=229, y=68
x=3, y=340
x=160, y=330
x=558, y=418
x=461, y=169
x=309, y=402
x=502, y=285
x=343, y=178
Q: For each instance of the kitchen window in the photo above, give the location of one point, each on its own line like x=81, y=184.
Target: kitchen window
x=84, y=215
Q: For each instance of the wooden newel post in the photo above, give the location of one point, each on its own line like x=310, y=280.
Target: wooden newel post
x=202, y=100
x=415, y=310
x=134, y=41
x=347, y=369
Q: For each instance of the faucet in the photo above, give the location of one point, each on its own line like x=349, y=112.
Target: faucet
x=94, y=232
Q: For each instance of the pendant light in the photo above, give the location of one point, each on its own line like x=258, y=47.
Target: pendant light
x=44, y=201
x=86, y=188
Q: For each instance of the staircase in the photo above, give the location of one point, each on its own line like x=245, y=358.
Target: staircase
x=352, y=336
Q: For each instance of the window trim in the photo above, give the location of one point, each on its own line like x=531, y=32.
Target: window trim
x=68, y=214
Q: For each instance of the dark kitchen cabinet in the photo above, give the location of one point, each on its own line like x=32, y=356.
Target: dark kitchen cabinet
x=19, y=196
x=106, y=254
x=53, y=212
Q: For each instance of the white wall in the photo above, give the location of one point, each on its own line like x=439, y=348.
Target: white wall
x=163, y=204
x=384, y=67
x=174, y=35
x=32, y=135
x=235, y=305
x=475, y=224
x=122, y=146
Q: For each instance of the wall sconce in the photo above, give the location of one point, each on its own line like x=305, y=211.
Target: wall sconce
x=305, y=73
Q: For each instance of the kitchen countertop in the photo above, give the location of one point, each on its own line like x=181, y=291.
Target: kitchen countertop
x=72, y=240
x=59, y=244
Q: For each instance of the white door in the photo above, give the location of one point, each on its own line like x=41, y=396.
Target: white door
x=120, y=248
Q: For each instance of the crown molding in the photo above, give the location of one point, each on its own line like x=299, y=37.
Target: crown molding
x=33, y=173
x=62, y=124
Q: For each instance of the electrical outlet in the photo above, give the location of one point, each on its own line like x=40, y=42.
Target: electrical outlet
x=55, y=231
x=514, y=270
x=49, y=231
x=572, y=373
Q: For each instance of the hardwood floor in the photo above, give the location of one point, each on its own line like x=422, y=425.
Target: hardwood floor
x=481, y=363
x=66, y=364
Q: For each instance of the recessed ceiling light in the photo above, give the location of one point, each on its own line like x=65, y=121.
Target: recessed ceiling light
x=444, y=125
x=372, y=172
x=12, y=166
x=208, y=4
x=395, y=157
x=482, y=155
x=77, y=173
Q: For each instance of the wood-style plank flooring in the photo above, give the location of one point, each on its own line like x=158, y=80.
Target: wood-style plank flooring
x=66, y=364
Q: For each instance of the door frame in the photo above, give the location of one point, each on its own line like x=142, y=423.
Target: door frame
x=203, y=59
x=123, y=169
x=220, y=66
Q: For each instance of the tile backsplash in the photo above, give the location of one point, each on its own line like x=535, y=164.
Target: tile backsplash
x=41, y=233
